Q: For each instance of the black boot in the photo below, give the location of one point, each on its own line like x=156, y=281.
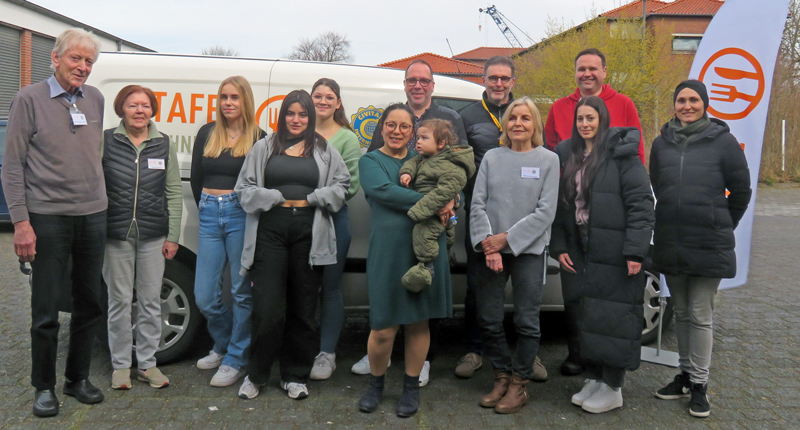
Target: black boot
x=409, y=400
x=369, y=401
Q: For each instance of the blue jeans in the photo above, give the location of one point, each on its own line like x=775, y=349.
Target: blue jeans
x=221, y=239
x=332, y=317
x=526, y=271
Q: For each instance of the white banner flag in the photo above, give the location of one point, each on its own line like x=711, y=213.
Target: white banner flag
x=736, y=61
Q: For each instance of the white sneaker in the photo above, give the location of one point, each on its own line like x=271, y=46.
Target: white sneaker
x=324, y=365
x=362, y=366
x=211, y=361
x=249, y=390
x=589, y=387
x=295, y=390
x=226, y=376
x=425, y=374
x=603, y=400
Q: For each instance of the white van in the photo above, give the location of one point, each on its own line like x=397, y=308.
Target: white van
x=186, y=86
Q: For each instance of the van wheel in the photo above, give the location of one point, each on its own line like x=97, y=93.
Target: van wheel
x=180, y=318
x=652, y=289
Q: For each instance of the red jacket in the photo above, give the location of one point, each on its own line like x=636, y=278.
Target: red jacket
x=559, y=121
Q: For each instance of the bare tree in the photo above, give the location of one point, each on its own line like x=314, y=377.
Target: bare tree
x=330, y=47
x=220, y=50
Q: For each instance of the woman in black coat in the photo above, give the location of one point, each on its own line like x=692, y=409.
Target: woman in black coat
x=601, y=237
x=692, y=164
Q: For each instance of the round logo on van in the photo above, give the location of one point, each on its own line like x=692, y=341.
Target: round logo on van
x=364, y=123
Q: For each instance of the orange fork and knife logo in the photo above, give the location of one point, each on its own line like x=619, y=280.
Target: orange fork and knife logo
x=732, y=87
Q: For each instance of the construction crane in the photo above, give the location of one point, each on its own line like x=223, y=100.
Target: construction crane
x=500, y=20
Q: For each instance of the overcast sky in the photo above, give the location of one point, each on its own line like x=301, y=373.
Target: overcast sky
x=379, y=31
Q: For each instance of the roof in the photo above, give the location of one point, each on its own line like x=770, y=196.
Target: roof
x=656, y=7
x=486, y=52
x=65, y=19
x=690, y=7
x=439, y=64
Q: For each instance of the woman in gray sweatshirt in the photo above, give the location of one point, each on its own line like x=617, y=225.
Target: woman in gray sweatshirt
x=513, y=206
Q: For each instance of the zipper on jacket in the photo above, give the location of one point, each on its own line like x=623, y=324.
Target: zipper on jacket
x=135, y=194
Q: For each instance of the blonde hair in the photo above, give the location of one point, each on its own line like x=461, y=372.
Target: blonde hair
x=218, y=140
x=538, y=128
x=74, y=38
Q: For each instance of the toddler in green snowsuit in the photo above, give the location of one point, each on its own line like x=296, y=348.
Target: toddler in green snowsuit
x=440, y=171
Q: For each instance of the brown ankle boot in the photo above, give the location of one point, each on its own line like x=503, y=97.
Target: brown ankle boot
x=501, y=381
x=515, y=398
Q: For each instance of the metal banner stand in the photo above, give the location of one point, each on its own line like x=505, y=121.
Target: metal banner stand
x=656, y=355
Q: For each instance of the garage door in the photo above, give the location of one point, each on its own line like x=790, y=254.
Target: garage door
x=9, y=67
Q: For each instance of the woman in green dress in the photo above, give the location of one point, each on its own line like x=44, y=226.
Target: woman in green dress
x=390, y=254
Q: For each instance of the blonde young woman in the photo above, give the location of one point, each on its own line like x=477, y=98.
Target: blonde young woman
x=332, y=125
x=219, y=152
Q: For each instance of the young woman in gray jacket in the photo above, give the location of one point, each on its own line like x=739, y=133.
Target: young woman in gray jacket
x=290, y=183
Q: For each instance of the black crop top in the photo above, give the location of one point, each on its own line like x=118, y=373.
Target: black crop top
x=218, y=173
x=294, y=177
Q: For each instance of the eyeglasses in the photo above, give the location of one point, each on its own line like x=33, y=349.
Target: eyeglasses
x=423, y=82
x=503, y=79
x=391, y=126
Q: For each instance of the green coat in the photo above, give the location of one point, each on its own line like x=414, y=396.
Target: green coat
x=440, y=177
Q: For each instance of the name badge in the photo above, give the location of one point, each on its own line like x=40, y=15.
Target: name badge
x=78, y=119
x=530, y=172
x=155, y=163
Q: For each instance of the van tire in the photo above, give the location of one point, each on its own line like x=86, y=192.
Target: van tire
x=181, y=319
x=652, y=289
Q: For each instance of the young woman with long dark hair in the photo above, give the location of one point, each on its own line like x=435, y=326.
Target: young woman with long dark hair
x=601, y=236
x=289, y=185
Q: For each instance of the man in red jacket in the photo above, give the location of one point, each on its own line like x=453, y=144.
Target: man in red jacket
x=590, y=72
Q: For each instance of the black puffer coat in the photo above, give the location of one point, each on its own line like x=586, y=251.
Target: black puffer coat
x=621, y=220
x=694, y=219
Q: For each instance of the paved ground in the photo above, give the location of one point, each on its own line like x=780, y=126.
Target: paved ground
x=755, y=381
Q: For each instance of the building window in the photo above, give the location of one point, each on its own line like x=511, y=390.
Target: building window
x=686, y=42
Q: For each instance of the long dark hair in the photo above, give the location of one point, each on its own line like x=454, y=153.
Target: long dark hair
x=393, y=107
x=578, y=147
x=310, y=136
x=339, y=117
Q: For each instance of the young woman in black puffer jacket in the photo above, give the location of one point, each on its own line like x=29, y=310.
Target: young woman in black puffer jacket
x=692, y=164
x=601, y=237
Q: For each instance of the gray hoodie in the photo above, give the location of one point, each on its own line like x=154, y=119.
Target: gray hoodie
x=334, y=180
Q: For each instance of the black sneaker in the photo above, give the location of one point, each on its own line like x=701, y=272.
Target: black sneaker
x=680, y=387
x=698, y=406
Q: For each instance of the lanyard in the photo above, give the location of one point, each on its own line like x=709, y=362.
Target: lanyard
x=494, y=118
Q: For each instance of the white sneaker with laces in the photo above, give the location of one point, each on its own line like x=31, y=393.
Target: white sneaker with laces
x=362, y=366
x=226, y=376
x=324, y=365
x=249, y=390
x=210, y=361
x=603, y=400
x=589, y=387
x=425, y=374
x=295, y=390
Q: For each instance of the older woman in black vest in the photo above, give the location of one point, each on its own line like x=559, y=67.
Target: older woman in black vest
x=144, y=218
x=601, y=236
x=692, y=164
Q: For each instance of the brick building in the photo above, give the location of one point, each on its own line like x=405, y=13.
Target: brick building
x=478, y=56
x=27, y=35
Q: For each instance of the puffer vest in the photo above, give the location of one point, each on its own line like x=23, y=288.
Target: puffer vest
x=136, y=192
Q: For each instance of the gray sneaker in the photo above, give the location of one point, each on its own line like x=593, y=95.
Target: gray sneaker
x=249, y=390
x=324, y=365
x=468, y=365
x=295, y=390
x=226, y=376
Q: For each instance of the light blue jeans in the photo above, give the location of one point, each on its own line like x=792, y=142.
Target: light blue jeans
x=221, y=238
x=332, y=317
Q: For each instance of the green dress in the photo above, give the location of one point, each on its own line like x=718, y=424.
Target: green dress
x=391, y=252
